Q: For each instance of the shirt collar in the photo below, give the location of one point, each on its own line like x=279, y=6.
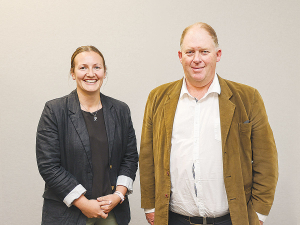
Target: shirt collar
x=213, y=88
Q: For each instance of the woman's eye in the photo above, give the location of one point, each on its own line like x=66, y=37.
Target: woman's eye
x=82, y=67
x=97, y=68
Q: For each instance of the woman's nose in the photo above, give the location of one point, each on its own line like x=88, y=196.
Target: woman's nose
x=90, y=73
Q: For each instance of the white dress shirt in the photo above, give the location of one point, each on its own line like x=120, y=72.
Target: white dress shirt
x=196, y=163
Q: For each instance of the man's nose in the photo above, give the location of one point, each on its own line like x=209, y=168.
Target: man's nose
x=197, y=57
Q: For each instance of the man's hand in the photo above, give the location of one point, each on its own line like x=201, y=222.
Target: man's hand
x=261, y=222
x=91, y=208
x=150, y=217
x=113, y=198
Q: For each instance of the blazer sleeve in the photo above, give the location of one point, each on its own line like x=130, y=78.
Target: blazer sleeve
x=265, y=162
x=48, y=155
x=147, y=170
x=129, y=161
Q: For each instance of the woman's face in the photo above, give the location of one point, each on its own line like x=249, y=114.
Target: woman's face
x=88, y=72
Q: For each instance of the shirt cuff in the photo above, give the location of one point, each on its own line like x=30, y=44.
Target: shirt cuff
x=126, y=182
x=74, y=194
x=149, y=210
x=261, y=217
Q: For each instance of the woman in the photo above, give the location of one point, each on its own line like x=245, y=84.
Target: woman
x=86, y=150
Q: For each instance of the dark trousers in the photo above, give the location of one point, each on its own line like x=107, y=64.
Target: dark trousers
x=176, y=219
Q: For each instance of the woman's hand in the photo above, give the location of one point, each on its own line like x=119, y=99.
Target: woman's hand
x=91, y=208
x=113, y=198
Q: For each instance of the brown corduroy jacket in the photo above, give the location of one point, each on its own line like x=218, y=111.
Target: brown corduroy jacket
x=249, y=153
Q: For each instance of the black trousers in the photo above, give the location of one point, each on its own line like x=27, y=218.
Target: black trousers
x=175, y=219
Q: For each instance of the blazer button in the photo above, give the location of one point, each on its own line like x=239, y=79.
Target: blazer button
x=168, y=173
x=110, y=166
x=166, y=195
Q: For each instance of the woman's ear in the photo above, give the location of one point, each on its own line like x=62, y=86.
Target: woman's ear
x=73, y=75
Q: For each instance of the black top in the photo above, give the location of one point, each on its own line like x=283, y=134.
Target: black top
x=99, y=150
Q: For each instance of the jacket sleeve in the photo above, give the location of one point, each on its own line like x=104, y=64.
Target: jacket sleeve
x=265, y=162
x=48, y=154
x=147, y=170
x=129, y=161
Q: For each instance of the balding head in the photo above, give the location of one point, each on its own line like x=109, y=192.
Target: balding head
x=204, y=26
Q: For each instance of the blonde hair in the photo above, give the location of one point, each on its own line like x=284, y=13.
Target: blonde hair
x=88, y=48
x=206, y=27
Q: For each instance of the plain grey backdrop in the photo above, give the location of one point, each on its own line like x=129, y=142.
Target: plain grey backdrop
x=140, y=40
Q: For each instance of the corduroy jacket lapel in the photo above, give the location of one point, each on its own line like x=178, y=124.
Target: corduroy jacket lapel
x=226, y=110
x=170, y=109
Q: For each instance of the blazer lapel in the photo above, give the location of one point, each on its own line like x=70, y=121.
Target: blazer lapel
x=226, y=110
x=170, y=109
x=109, y=120
x=77, y=119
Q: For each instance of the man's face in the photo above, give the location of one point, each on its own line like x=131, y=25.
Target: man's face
x=199, y=56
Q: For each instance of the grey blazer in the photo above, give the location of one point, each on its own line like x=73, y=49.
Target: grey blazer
x=64, y=156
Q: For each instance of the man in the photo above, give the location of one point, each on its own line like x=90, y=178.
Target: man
x=207, y=154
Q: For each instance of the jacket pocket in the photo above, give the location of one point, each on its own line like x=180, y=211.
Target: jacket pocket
x=54, y=210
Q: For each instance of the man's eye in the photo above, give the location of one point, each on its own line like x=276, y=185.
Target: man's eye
x=189, y=52
x=205, y=52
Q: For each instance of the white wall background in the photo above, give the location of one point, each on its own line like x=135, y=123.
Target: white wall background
x=140, y=40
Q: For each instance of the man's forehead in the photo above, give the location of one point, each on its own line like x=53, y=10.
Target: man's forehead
x=197, y=37
x=196, y=33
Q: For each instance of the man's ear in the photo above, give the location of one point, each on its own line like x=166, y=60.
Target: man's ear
x=219, y=54
x=180, y=56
